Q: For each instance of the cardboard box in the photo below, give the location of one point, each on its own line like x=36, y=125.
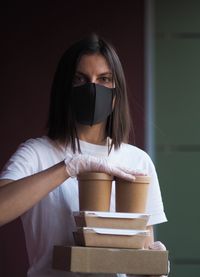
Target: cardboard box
x=107, y=237
x=109, y=260
x=111, y=220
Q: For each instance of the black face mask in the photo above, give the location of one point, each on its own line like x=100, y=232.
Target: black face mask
x=92, y=103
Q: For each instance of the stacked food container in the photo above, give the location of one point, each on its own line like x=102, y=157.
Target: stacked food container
x=106, y=229
x=101, y=228
x=111, y=242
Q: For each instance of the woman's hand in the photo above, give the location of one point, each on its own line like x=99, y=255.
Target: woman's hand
x=157, y=245
x=79, y=163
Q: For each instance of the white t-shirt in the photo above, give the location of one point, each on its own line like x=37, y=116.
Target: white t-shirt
x=50, y=222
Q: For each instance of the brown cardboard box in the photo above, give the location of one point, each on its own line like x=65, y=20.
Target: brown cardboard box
x=108, y=260
x=107, y=237
x=111, y=220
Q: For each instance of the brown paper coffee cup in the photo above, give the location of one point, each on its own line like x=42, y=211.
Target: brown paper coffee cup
x=131, y=197
x=94, y=191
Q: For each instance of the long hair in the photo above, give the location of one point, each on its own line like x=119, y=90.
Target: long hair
x=61, y=122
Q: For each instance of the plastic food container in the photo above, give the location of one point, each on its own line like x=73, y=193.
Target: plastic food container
x=106, y=237
x=113, y=220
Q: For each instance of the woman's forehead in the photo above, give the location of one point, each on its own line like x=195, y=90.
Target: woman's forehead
x=93, y=63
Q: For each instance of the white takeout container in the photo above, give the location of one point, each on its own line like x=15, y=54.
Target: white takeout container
x=113, y=220
x=107, y=237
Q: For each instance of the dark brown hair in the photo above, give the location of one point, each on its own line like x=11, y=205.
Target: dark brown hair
x=61, y=122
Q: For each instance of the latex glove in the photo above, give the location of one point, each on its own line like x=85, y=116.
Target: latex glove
x=79, y=163
x=158, y=245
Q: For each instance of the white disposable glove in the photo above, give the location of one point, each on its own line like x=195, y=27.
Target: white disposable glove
x=79, y=163
x=158, y=245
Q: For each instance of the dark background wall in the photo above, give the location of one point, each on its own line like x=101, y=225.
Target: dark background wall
x=33, y=37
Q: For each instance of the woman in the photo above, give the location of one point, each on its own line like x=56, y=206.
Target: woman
x=88, y=127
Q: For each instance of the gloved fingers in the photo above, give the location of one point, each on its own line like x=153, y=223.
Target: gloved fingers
x=131, y=171
x=168, y=266
x=102, y=165
x=118, y=172
x=79, y=163
x=157, y=245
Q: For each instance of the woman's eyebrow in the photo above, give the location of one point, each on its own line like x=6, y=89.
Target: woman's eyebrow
x=81, y=73
x=101, y=74
x=105, y=73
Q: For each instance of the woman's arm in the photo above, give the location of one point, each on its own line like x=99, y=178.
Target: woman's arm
x=16, y=197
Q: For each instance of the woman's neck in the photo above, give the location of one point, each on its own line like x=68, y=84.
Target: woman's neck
x=93, y=134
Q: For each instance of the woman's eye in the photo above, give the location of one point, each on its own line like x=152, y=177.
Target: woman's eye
x=78, y=80
x=106, y=79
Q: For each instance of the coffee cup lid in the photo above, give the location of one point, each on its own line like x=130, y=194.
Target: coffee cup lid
x=94, y=176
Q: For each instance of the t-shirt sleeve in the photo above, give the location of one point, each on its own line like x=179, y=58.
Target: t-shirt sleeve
x=22, y=163
x=154, y=201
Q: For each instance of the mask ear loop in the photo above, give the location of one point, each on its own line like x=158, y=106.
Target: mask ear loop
x=92, y=102
x=110, y=124
x=74, y=140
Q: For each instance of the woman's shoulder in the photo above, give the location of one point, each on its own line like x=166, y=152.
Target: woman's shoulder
x=133, y=156
x=35, y=142
x=134, y=150
x=40, y=143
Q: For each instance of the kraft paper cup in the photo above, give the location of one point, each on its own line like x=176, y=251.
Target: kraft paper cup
x=131, y=197
x=94, y=191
